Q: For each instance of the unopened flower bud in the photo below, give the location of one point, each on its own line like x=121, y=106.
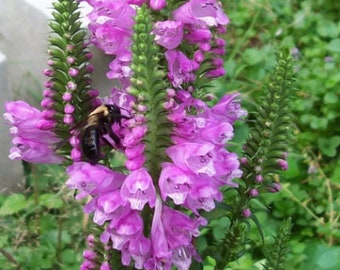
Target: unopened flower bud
x=47, y=103
x=274, y=187
x=68, y=119
x=259, y=178
x=76, y=154
x=69, y=108
x=253, y=192
x=73, y=72
x=157, y=4
x=283, y=164
x=67, y=96
x=70, y=60
x=48, y=72
x=244, y=160
x=171, y=92
x=246, y=213
x=71, y=86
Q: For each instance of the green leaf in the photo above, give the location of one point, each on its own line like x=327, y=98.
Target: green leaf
x=327, y=29
x=69, y=256
x=252, y=56
x=322, y=257
x=328, y=145
x=334, y=45
x=4, y=238
x=13, y=204
x=330, y=98
x=50, y=201
x=335, y=178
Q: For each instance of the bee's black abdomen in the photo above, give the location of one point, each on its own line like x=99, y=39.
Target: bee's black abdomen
x=90, y=144
x=98, y=124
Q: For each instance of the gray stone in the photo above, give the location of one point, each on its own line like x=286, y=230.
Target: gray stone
x=10, y=171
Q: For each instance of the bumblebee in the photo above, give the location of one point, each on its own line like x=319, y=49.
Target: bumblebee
x=98, y=127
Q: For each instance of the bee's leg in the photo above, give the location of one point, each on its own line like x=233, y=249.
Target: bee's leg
x=112, y=135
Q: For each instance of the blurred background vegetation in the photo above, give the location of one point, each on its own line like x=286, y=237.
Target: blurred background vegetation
x=44, y=228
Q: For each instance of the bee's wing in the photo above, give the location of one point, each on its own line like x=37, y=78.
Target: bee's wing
x=75, y=130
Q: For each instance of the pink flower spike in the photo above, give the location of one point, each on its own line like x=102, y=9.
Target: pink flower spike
x=138, y=189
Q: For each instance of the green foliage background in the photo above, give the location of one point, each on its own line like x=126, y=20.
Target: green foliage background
x=43, y=228
x=310, y=195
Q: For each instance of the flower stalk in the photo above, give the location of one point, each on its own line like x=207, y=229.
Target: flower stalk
x=148, y=84
x=265, y=154
x=68, y=98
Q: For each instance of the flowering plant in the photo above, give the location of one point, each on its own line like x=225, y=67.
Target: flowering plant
x=177, y=166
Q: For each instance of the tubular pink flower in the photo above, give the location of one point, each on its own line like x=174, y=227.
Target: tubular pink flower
x=174, y=183
x=135, y=163
x=120, y=68
x=200, y=35
x=135, y=136
x=201, y=12
x=139, y=250
x=92, y=179
x=180, y=68
x=203, y=194
x=168, y=34
x=32, y=143
x=125, y=225
x=111, y=24
x=138, y=189
x=228, y=108
x=160, y=248
x=193, y=157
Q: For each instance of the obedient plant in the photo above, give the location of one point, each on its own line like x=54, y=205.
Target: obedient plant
x=176, y=160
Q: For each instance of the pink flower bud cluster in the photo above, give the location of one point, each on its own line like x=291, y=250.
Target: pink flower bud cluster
x=200, y=163
x=32, y=142
x=52, y=95
x=197, y=22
